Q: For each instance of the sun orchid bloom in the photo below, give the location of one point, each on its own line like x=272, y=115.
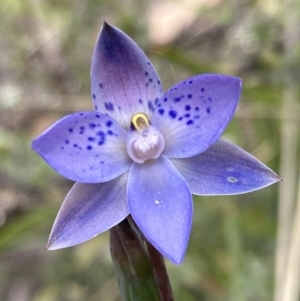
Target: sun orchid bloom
x=145, y=152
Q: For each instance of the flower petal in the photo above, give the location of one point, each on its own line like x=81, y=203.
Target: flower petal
x=87, y=147
x=225, y=169
x=194, y=113
x=161, y=204
x=123, y=80
x=88, y=210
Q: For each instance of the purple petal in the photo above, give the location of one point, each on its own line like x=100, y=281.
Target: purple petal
x=194, y=113
x=161, y=204
x=88, y=210
x=86, y=147
x=124, y=81
x=224, y=169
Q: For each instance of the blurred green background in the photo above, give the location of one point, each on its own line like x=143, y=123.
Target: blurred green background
x=45, y=55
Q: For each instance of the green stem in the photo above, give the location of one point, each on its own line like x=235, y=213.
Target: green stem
x=160, y=273
x=141, y=269
x=159, y=267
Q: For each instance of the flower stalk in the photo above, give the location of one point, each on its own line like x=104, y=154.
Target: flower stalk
x=141, y=271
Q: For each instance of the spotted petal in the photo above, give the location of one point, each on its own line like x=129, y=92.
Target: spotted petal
x=86, y=147
x=160, y=203
x=224, y=169
x=194, y=113
x=88, y=210
x=123, y=80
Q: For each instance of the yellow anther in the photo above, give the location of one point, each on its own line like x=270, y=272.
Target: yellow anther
x=140, y=121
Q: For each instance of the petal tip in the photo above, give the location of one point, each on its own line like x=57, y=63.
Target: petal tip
x=34, y=144
x=106, y=26
x=32, y=147
x=178, y=260
x=50, y=247
x=56, y=245
x=276, y=178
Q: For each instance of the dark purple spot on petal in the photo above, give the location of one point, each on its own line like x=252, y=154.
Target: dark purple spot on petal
x=208, y=110
x=196, y=116
x=97, y=116
x=161, y=111
x=146, y=73
x=165, y=99
x=210, y=99
x=70, y=130
x=177, y=99
x=187, y=107
x=109, y=106
x=150, y=105
x=197, y=109
x=190, y=122
x=180, y=118
x=81, y=114
x=108, y=123
x=102, y=136
x=100, y=85
x=62, y=147
x=96, y=107
x=190, y=95
x=81, y=130
x=159, y=82
x=67, y=141
x=156, y=101
x=187, y=115
x=75, y=145
x=190, y=82
x=89, y=147
x=102, y=162
x=150, y=80
x=140, y=101
x=91, y=138
x=173, y=113
x=202, y=89
x=94, y=96
x=110, y=132
x=92, y=125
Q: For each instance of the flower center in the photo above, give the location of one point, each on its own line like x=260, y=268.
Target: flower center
x=144, y=141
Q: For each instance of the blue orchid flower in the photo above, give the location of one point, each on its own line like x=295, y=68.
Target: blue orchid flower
x=145, y=152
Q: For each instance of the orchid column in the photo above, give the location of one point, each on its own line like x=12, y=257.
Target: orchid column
x=143, y=153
